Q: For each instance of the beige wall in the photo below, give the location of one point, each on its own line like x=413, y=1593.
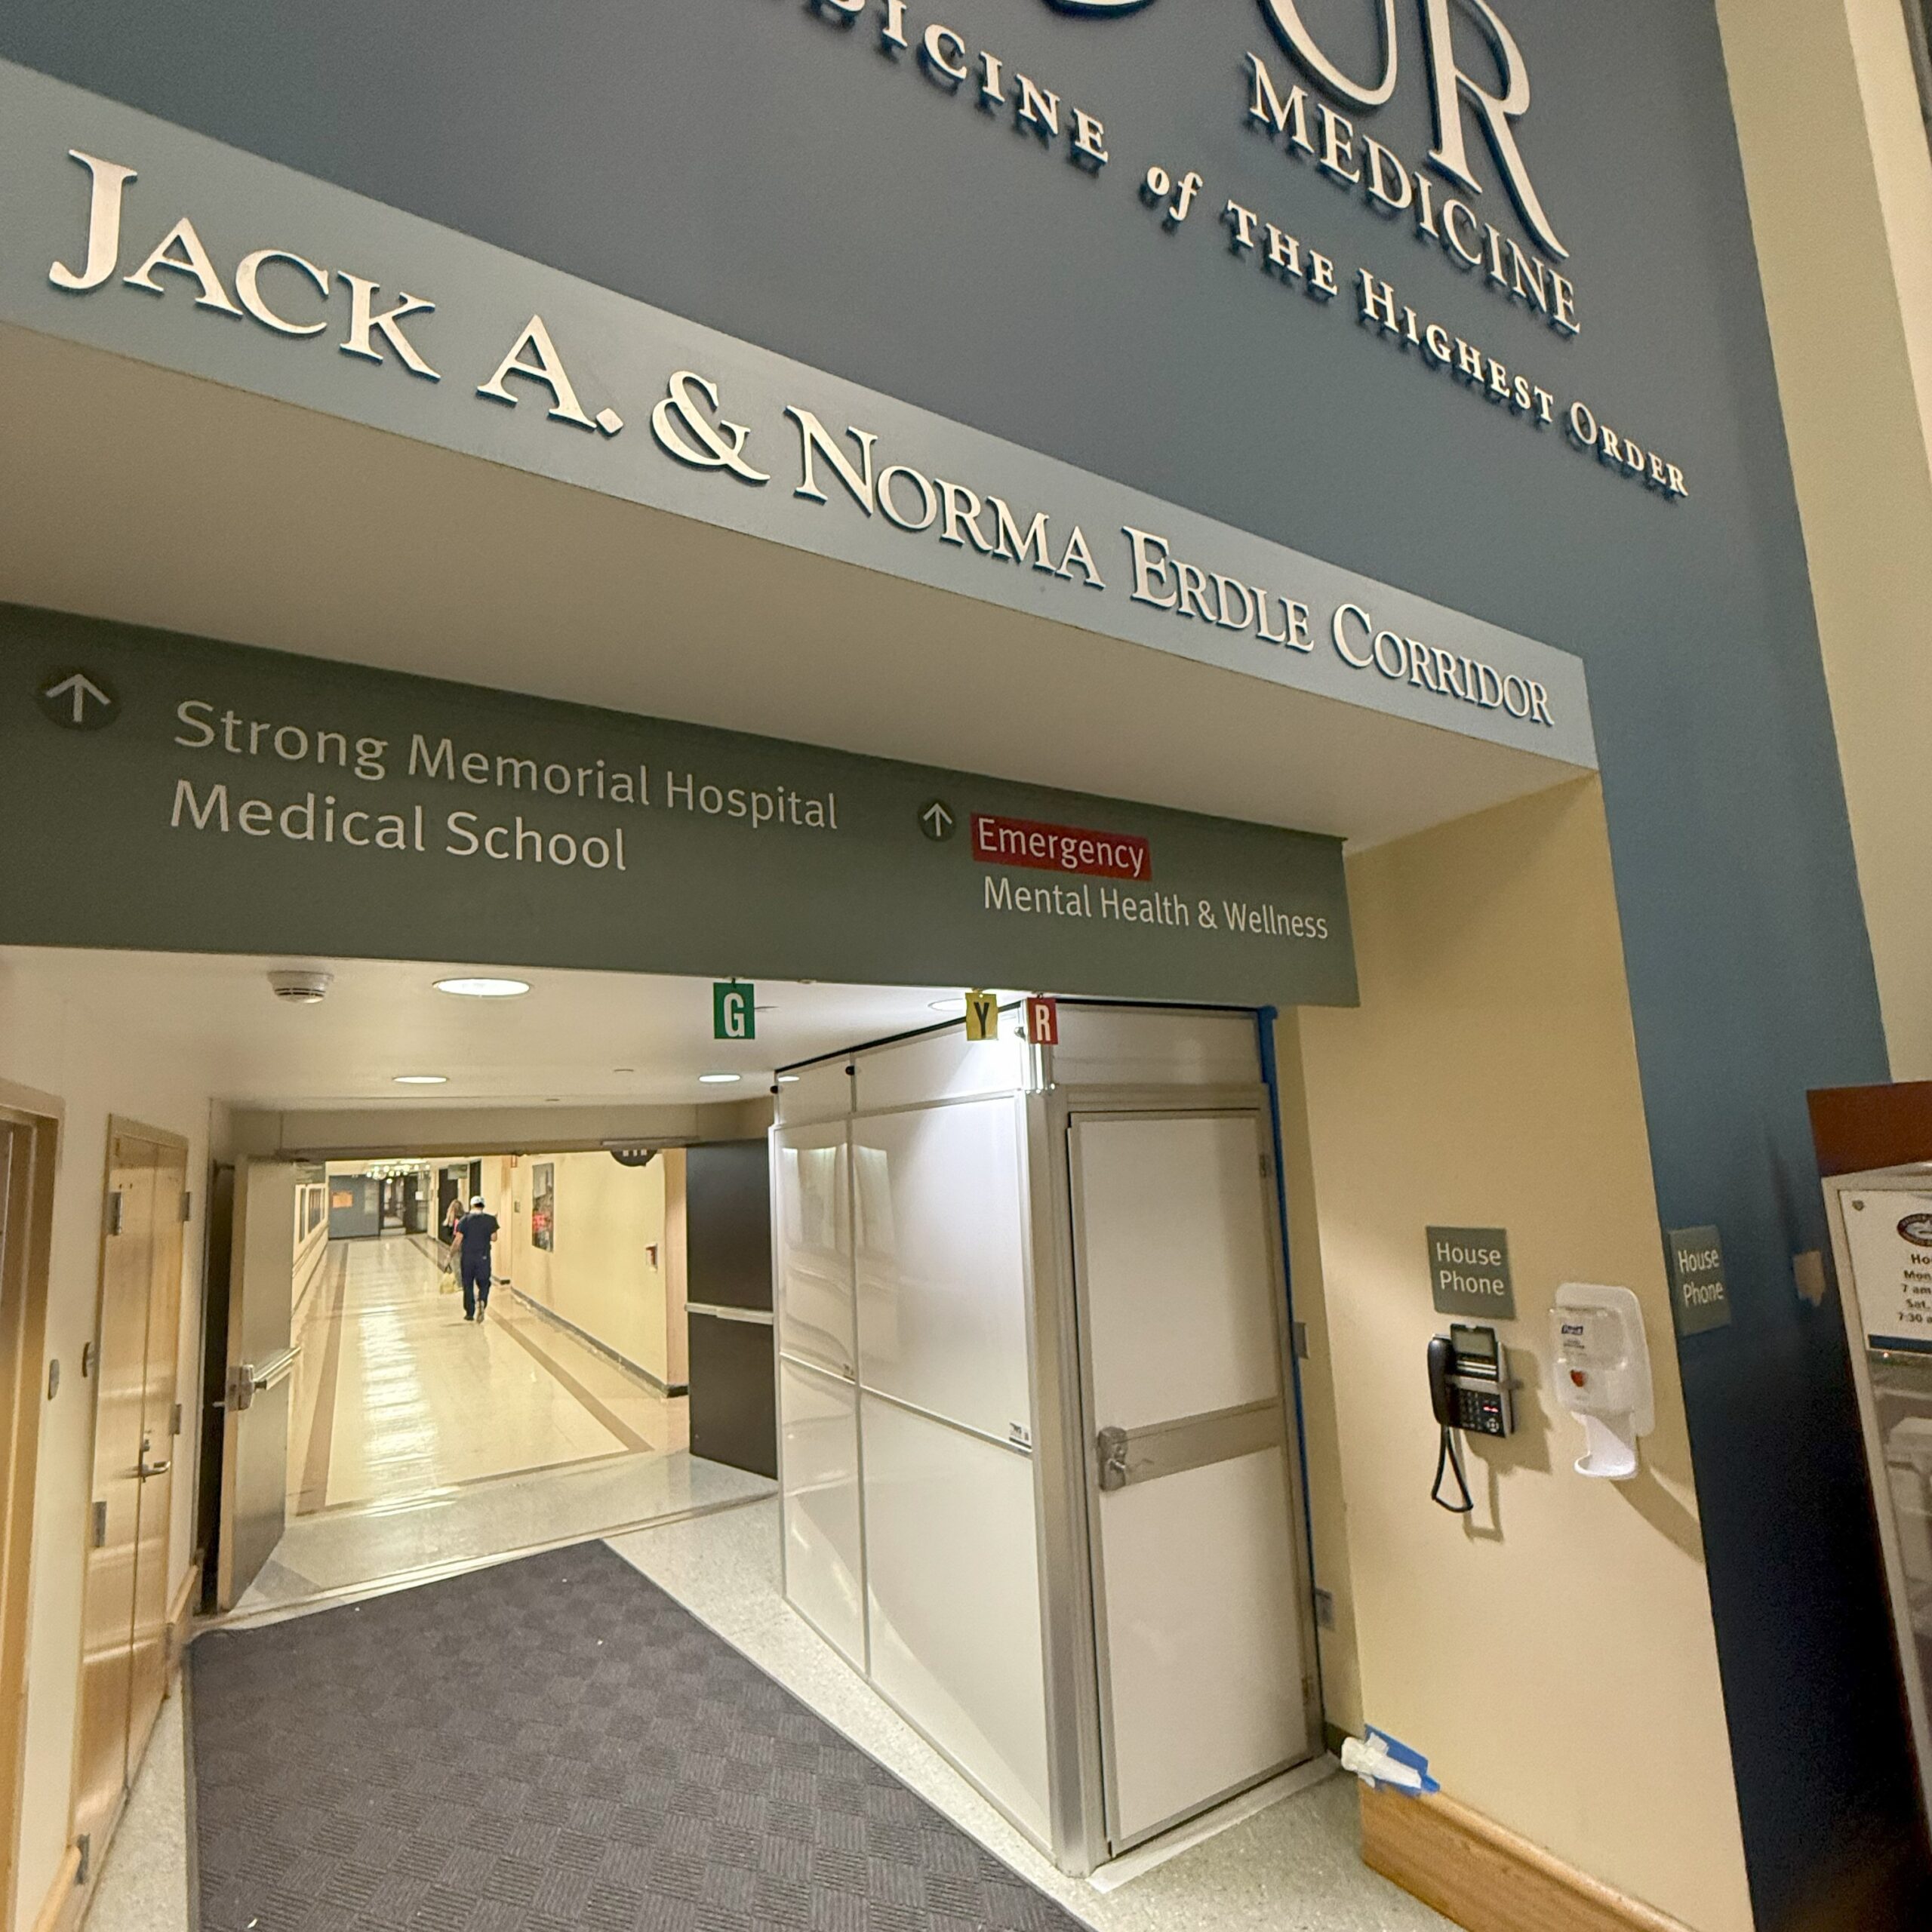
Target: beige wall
x=47, y=1043
x=599, y=1275
x=1554, y=1654
x=1840, y=181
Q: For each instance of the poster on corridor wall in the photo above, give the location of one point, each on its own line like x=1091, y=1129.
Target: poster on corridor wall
x=187, y=795
x=1890, y=1234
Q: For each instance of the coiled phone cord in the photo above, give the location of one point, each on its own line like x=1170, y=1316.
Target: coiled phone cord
x=1449, y=1461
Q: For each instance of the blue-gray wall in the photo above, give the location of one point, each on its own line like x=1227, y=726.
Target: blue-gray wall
x=752, y=165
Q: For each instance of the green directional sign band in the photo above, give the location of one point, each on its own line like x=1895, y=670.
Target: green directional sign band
x=246, y=801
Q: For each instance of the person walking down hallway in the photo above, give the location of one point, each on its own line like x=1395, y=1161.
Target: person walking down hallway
x=475, y=1233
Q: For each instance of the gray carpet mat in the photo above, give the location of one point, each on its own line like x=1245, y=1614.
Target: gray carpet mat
x=552, y=1743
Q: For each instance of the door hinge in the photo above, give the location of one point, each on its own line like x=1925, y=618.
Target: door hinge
x=1324, y=1609
x=83, y=1844
x=1301, y=1341
x=187, y=1205
x=175, y=1428
x=117, y=1203
x=87, y=1353
x=100, y=1526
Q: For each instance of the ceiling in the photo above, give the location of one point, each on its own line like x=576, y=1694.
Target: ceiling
x=137, y=493
x=575, y=1039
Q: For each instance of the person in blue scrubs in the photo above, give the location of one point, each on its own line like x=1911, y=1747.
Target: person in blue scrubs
x=475, y=1233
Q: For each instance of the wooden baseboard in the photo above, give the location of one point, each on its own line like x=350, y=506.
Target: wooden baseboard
x=1485, y=1878
x=66, y=1898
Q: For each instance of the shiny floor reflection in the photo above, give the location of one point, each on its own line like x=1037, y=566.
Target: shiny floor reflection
x=410, y=1539
x=397, y=1396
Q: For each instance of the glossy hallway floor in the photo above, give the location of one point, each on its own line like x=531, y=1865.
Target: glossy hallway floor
x=1292, y=1867
x=396, y=1395
x=419, y=1442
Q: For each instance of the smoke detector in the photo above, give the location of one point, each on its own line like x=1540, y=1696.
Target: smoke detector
x=301, y=986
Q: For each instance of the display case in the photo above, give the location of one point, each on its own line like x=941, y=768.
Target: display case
x=1881, y=1237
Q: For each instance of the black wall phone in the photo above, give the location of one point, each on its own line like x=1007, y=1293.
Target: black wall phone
x=1470, y=1389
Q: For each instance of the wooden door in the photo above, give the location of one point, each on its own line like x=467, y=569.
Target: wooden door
x=153, y=1585
x=27, y=1150
x=123, y=1668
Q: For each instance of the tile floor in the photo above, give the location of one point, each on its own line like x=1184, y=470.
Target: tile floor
x=1293, y=1867
x=395, y=1395
x=387, y=1544
x=422, y=1445
x=143, y=1885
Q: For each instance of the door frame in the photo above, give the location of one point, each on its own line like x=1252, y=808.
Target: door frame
x=37, y=1119
x=1063, y=1438
x=119, y=1126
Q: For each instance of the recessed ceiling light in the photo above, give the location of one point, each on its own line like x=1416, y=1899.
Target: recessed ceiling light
x=483, y=988
x=421, y=1080
x=788, y=1080
x=623, y=1069
x=719, y=1079
x=956, y=1004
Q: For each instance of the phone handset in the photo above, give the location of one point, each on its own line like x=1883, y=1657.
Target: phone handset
x=1449, y=1456
x=1441, y=1363
x=1470, y=1390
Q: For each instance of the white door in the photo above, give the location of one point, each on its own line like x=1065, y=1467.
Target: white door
x=261, y=1362
x=1198, y=1590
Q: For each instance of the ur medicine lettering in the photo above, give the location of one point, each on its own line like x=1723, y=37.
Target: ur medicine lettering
x=1456, y=95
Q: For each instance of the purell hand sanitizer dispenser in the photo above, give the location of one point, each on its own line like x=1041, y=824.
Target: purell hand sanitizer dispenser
x=1600, y=1367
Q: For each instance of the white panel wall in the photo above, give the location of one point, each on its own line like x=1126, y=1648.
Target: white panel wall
x=953, y=1593
x=821, y=1091
x=1172, y=1242
x=911, y=1538
x=1199, y=1566
x=944, y=1065
x=819, y=1464
x=1155, y=1047
x=812, y=1246
x=818, y=1420
x=942, y=1262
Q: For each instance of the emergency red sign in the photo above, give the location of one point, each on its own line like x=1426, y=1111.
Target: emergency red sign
x=1042, y=1021
x=1060, y=848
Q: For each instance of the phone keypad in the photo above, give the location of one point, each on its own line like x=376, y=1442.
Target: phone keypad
x=1479, y=1411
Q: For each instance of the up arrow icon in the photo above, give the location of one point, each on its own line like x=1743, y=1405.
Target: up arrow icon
x=79, y=702
x=937, y=821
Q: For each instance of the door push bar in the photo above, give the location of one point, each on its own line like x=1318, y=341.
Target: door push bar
x=246, y=1381
x=1124, y=1457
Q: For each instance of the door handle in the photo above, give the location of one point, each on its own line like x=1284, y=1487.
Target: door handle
x=1111, y=1447
x=145, y=1468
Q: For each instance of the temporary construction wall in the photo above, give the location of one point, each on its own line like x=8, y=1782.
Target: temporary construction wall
x=905, y=1408
x=935, y=1469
